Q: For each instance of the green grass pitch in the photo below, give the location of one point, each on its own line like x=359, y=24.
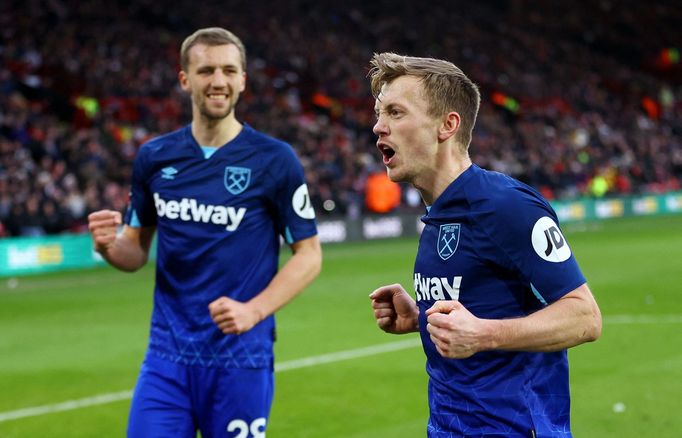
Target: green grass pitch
x=71, y=336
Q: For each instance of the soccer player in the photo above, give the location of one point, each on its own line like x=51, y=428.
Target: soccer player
x=499, y=295
x=218, y=194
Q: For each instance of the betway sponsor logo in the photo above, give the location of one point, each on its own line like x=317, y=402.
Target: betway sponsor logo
x=188, y=209
x=436, y=288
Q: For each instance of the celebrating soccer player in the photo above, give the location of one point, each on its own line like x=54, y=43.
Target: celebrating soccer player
x=219, y=194
x=499, y=294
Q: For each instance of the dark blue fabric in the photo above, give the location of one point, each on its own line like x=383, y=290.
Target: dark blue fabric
x=219, y=222
x=477, y=247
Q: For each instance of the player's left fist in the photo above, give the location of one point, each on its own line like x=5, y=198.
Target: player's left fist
x=456, y=333
x=232, y=317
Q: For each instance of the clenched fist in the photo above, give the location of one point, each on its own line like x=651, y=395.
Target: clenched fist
x=103, y=226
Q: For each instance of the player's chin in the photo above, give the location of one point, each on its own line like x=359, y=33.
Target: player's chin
x=216, y=113
x=395, y=174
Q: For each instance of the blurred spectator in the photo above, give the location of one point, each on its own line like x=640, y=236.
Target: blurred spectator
x=572, y=91
x=53, y=219
x=381, y=194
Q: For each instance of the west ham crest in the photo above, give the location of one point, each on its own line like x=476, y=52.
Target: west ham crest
x=237, y=179
x=448, y=239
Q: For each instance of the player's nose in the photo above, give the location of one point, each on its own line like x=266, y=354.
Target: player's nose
x=380, y=127
x=219, y=80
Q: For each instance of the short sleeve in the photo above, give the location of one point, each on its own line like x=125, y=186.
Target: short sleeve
x=526, y=231
x=141, y=211
x=295, y=214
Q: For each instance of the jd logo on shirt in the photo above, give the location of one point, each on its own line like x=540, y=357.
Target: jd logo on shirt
x=448, y=239
x=300, y=201
x=548, y=242
x=237, y=179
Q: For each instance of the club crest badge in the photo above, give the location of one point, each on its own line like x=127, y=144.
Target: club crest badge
x=448, y=239
x=237, y=179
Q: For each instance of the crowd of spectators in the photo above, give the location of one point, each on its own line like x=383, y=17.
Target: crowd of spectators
x=572, y=92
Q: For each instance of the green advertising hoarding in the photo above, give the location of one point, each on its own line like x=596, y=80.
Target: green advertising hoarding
x=595, y=209
x=29, y=255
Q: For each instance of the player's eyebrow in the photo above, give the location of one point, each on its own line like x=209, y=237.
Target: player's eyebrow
x=389, y=107
x=230, y=66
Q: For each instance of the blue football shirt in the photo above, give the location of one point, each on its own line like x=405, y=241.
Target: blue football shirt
x=219, y=217
x=494, y=244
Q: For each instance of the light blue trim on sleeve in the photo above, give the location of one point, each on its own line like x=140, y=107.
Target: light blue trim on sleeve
x=537, y=294
x=287, y=236
x=208, y=151
x=134, y=220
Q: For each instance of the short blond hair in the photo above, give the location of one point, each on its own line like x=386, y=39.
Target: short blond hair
x=211, y=36
x=446, y=87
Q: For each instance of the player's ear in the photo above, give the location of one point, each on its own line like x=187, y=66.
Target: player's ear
x=243, y=84
x=449, y=125
x=184, y=82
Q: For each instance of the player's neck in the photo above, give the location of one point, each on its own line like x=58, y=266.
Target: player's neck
x=215, y=132
x=442, y=176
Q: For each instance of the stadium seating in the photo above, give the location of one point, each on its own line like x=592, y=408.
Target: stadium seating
x=580, y=99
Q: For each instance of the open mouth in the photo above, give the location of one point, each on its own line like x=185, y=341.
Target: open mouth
x=386, y=151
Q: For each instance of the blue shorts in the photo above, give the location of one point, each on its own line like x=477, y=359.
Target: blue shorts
x=177, y=400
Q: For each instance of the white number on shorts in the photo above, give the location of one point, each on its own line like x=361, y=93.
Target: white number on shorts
x=239, y=425
x=257, y=428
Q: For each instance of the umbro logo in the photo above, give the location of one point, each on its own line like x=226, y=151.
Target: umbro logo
x=169, y=172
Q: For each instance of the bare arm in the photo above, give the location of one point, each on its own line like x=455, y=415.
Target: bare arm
x=128, y=250
x=572, y=320
x=298, y=272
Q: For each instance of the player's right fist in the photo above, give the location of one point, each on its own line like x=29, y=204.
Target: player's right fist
x=103, y=225
x=394, y=310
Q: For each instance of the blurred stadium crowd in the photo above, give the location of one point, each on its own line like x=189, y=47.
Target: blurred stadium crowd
x=580, y=98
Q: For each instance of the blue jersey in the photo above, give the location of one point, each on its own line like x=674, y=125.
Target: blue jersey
x=218, y=219
x=493, y=243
